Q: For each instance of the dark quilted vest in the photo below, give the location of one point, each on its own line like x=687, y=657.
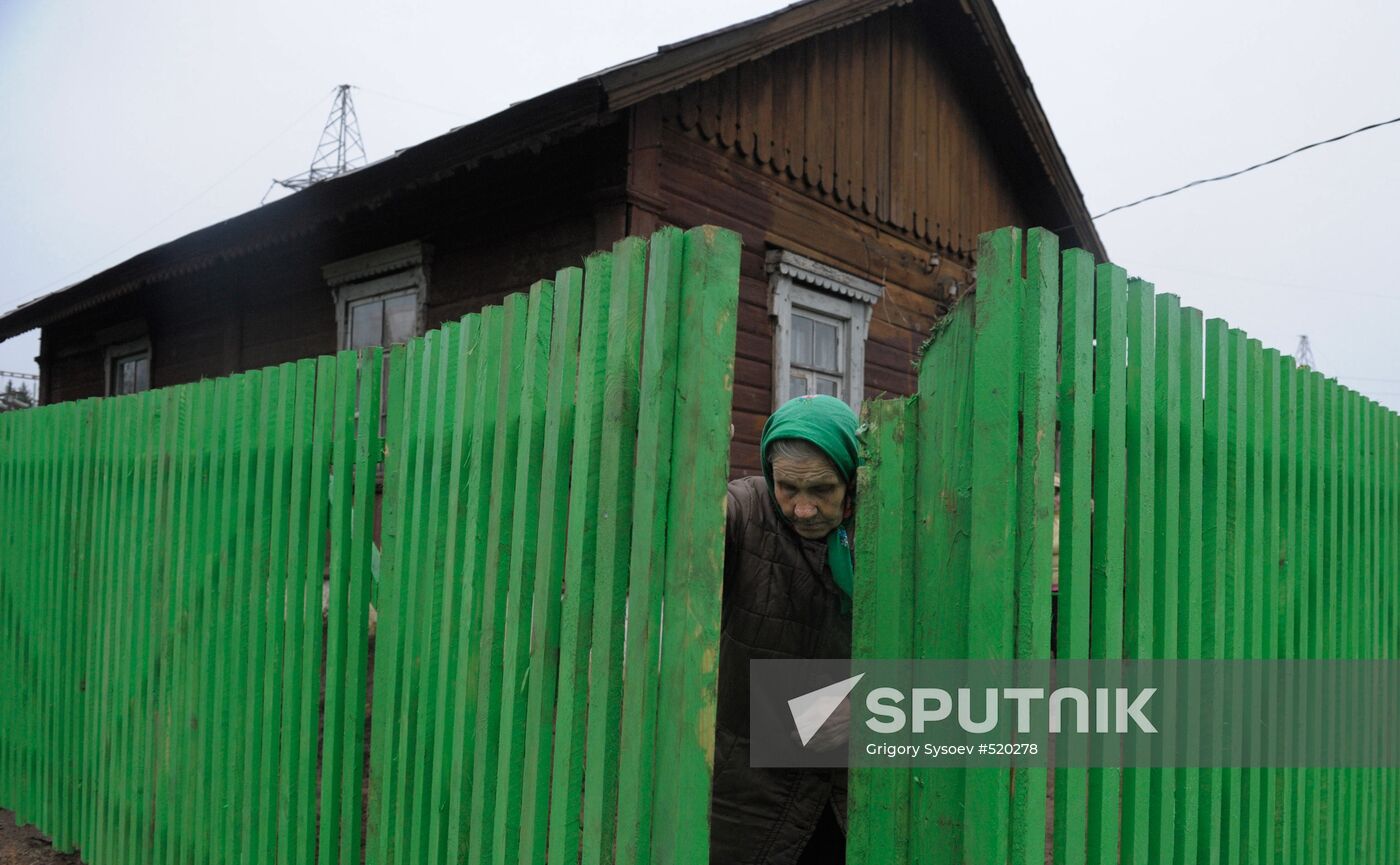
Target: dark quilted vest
x=779, y=602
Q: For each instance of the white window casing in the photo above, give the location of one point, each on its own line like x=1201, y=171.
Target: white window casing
x=822, y=294
x=387, y=273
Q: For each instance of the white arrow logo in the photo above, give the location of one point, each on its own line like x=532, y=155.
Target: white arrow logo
x=811, y=710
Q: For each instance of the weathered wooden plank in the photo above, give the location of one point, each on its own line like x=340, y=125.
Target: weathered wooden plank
x=465, y=359
x=1072, y=569
x=1139, y=635
x=469, y=613
x=1035, y=514
x=942, y=529
x=291, y=807
x=494, y=578
x=576, y=616
x=1290, y=576
x=1166, y=540
x=251, y=824
x=1189, y=620
x=695, y=547
x=366, y=454
x=652, y=484
x=996, y=370
x=405, y=384
x=613, y=551
x=1106, y=580
x=1268, y=591
x=538, y=722
x=521, y=567
x=430, y=599
x=1213, y=514
x=334, y=834
x=415, y=615
x=882, y=624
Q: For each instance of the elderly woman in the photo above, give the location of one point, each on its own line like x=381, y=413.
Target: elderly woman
x=787, y=594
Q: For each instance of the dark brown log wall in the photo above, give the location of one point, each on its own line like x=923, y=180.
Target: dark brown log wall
x=868, y=118
x=854, y=149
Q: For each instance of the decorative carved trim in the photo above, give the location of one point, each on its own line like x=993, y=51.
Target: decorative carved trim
x=818, y=275
x=395, y=258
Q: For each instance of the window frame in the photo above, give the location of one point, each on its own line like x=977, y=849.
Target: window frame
x=390, y=272
x=800, y=283
x=114, y=354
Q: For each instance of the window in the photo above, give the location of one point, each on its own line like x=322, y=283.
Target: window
x=379, y=297
x=129, y=367
x=820, y=320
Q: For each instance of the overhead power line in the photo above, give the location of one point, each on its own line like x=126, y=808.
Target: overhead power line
x=1284, y=156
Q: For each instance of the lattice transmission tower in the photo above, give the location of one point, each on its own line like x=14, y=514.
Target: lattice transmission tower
x=1303, y=353
x=341, y=147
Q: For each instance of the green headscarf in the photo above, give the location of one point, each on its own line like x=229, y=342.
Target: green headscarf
x=830, y=425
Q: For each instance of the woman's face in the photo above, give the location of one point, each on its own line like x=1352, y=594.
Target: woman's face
x=810, y=494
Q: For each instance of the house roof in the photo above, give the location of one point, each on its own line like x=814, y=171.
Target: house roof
x=1009, y=99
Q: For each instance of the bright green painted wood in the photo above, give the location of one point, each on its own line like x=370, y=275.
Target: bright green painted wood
x=437, y=449
x=1035, y=512
x=695, y=546
x=616, y=465
x=405, y=385
x=333, y=754
x=469, y=612
x=996, y=398
x=1076, y=438
x=463, y=361
x=367, y=452
x=577, y=612
x=500, y=525
x=1269, y=610
x=655, y=440
x=942, y=529
x=251, y=825
x=291, y=808
x=522, y=568
x=1106, y=581
x=1166, y=540
x=416, y=613
x=1290, y=552
x=264, y=848
x=1235, y=558
x=1214, y=473
x=1139, y=636
x=882, y=617
x=543, y=677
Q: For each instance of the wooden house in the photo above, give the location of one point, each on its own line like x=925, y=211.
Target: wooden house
x=859, y=147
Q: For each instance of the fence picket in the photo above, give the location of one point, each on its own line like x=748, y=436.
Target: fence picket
x=548, y=597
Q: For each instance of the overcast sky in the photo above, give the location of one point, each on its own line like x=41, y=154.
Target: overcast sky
x=128, y=124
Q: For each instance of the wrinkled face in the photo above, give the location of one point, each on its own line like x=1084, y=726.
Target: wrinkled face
x=810, y=494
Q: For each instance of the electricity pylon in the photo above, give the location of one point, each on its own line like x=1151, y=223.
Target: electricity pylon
x=1303, y=353
x=341, y=147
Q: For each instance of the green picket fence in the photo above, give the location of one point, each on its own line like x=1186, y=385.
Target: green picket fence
x=171, y=695
x=1242, y=507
